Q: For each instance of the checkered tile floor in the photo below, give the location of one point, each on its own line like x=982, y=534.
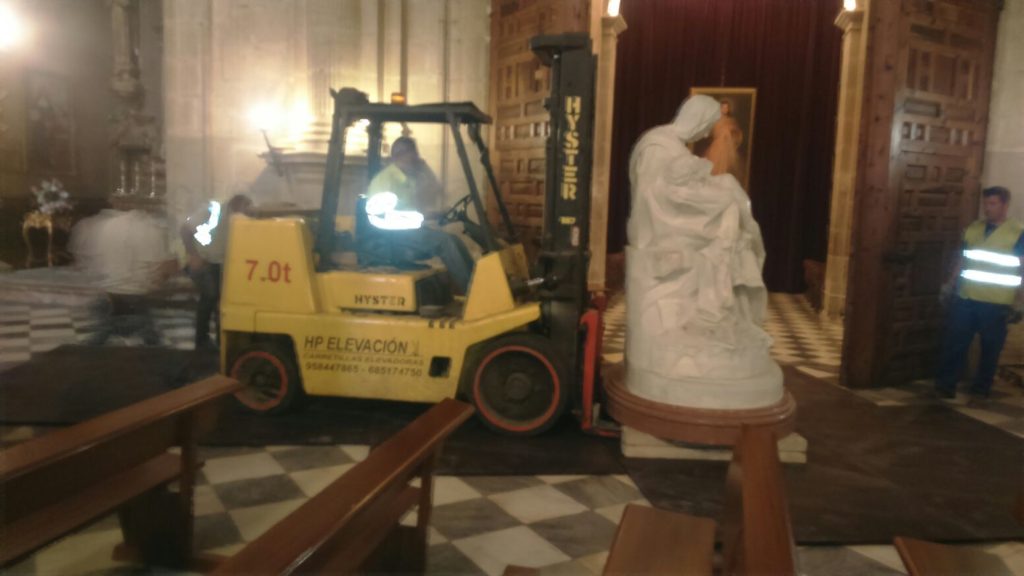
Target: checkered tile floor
x=29, y=329
x=813, y=344
x=801, y=335
x=562, y=524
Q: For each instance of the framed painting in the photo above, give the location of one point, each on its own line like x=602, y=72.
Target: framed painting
x=50, y=127
x=739, y=105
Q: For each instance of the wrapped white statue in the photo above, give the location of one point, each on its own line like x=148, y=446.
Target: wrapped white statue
x=695, y=296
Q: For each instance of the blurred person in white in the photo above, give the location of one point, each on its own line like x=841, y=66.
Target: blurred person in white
x=127, y=252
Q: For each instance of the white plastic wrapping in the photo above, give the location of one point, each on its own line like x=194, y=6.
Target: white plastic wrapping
x=695, y=296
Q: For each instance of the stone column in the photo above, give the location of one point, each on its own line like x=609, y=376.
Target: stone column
x=224, y=57
x=187, y=93
x=134, y=132
x=124, y=37
x=333, y=54
x=611, y=27
x=1004, y=146
x=844, y=173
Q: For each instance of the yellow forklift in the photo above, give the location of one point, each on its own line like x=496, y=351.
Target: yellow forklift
x=323, y=305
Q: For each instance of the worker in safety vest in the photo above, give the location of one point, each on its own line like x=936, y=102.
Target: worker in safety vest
x=401, y=197
x=205, y=236
x=985, y=294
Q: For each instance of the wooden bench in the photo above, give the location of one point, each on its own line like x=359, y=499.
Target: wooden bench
x=57, y=483
x=513, y=570
x=922, y=558
x=652, y=541
x=755, y=530
x=353, y=524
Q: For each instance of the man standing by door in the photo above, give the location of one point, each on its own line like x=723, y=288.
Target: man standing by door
x=986, y=294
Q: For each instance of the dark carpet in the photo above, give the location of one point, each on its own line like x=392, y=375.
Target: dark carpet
x=74, y=383
x=924, y=471
x=471, y=450
x=873, y=473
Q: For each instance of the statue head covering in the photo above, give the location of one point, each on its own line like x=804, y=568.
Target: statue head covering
x=696, y=117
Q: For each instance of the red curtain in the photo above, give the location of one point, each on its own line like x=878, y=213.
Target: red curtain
x=789, y=50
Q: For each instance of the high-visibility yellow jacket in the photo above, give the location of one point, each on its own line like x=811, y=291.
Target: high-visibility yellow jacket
x=991, y=270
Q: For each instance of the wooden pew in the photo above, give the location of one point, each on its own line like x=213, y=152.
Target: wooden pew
x=353, y=524
x=652, y=541
x=755, y=531
x=755, y=528
x=513, y=570
x=57, y=483
x=922, y=558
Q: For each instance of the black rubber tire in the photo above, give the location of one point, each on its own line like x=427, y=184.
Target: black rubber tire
x=517, y=384
x=271, y=379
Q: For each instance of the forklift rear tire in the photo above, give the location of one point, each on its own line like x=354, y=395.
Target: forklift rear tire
x=270, y=377
x=518, y=385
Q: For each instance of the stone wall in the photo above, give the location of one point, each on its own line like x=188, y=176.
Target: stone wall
x=55, y=105
x=1004, y=149
x=224, y=58
x=1004, y=153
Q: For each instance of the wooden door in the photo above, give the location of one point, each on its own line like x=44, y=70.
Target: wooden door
x=928, y=76
x=519, y=85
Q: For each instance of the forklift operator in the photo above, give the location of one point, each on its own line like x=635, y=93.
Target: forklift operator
x=400, y=196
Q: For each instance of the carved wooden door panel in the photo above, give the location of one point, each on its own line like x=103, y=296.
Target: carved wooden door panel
x=519, y=85
x=935, y=59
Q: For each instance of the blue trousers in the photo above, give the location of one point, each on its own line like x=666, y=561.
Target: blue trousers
x=207, y=283
x=967, y=318
x=456, y=257
x=122, y=315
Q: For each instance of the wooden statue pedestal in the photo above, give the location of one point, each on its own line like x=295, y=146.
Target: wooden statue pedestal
x=691, y=425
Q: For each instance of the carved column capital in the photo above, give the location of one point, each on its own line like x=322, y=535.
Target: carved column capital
x=613, y=25
x=850, y=20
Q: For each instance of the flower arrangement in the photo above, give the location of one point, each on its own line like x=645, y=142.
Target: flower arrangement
x=51, y=197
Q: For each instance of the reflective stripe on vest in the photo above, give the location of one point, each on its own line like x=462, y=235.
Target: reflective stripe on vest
x=991, y=270
x=991, y=278
x=993, y=258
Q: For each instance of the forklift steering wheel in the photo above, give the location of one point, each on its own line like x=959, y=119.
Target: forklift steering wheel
x=457, y=213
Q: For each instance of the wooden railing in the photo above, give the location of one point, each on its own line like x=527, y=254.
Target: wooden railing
x=353, y=524
x=57, y=483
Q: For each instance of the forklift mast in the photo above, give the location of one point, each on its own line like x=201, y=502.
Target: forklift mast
x=565, y=250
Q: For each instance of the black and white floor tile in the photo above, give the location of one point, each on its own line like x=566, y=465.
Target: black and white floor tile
x=27, y=329
x=561, y=524
x=801, y=336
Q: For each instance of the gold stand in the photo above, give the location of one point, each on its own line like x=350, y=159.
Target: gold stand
x=38, y=220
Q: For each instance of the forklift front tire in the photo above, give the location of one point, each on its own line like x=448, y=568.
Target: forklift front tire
x=518, y=385
x=270, y=377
